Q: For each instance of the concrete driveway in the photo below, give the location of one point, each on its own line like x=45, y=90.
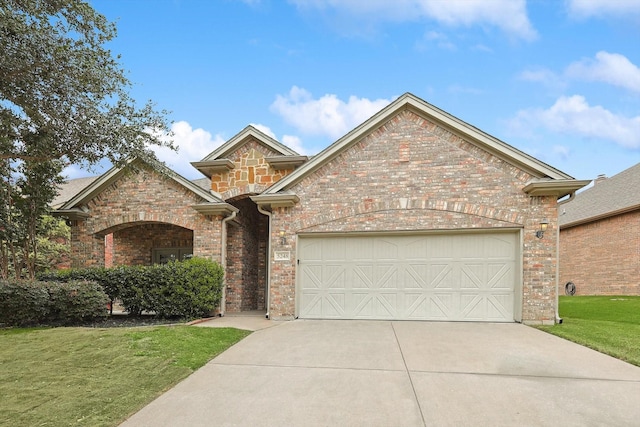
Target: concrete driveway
x=381, y=373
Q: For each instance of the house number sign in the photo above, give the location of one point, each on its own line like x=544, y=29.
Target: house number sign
x=282, y=255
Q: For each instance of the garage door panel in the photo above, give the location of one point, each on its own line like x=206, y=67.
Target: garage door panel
x=324, y=305
x=501, y=276
x=441, y=277
x=375, y=306
x=441, y=307
x=427, y=277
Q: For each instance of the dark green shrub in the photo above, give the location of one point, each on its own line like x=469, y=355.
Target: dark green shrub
x=29, y=303
x=186, y=289
x=76, y=302
x=23, y=303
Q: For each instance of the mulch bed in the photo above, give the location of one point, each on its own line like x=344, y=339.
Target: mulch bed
x=129, y=320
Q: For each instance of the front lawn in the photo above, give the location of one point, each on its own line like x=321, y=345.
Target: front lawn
x=610, y=325
x=97, y=377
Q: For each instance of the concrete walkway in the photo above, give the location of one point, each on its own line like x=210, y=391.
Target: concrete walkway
x=379, y=373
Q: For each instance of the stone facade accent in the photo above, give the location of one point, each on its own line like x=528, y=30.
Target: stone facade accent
x=435, y=180
x=588, y=252
x=252, y=173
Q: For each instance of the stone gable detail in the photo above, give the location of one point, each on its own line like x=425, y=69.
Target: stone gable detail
x=251, y=174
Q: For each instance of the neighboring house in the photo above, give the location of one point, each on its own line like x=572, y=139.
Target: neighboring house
x=414, y=214
x=600, y=237
x=68, y=189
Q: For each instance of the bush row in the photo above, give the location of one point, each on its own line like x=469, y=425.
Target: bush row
x=186, y=289
x=24, y=303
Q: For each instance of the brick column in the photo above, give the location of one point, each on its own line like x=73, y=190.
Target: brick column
x=87, y=250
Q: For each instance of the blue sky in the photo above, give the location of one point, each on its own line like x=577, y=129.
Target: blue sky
x=559, y=80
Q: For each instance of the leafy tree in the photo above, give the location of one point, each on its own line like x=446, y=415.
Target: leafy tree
x=63, y=100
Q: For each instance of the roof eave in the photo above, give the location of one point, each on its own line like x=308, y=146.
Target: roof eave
x=278, y=200
x=211, y=167
x=557, y=187
x=215, y=209
x=286, y=162
x=71, y=214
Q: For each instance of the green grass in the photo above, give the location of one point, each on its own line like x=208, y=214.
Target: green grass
x=610, y=325
x=97, y=377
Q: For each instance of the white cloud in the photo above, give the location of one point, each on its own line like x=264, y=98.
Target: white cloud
x=544, y=76
x=327, y=115
x=436, y=38
x=574, y=116
x=508, y=15
x=587, y=8
x=561, y=151
x=264, y=129
x=290, y=141
x=74, y=171
x=193, y=145
x=294, y=143
x=611, y=68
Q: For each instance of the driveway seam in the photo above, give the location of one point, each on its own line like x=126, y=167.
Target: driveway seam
x=413, y=388
x=256, y=365
x=554, y=377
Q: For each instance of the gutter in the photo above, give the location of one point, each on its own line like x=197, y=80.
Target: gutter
x=223, y=259
x=268, y=260
x=558, y=319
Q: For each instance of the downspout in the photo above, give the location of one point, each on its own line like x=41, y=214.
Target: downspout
x=268, y=260
x=558, y=318
x=223, y=256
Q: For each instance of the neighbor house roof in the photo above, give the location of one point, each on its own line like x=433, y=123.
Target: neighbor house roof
x=608, y=197
x=547, y=179
x=68, y=189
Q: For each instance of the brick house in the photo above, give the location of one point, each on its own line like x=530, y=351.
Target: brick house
x=600, y=237
x=414, y=214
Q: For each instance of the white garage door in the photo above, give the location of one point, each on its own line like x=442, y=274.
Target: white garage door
x=462, y=277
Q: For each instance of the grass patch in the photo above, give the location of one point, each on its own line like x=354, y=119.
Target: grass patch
x=97, y=377
x=610, y=325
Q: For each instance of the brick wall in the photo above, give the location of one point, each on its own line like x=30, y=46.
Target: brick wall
x=139, y=198
x=252, y=174
x=246, y=254
x=134, y=245
x=602, y=257
x=411, y=174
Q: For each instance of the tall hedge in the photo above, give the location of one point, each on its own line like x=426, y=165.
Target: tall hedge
x=24, y=303
x=186, y=289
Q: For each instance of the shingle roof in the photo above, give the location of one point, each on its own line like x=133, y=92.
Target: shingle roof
x=607, y=197
x=204, y=183
x=68, y=189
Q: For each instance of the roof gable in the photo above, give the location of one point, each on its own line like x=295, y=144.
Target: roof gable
x=242, y=138
x=113, y=174
x=608, y=197
x=418, y=106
